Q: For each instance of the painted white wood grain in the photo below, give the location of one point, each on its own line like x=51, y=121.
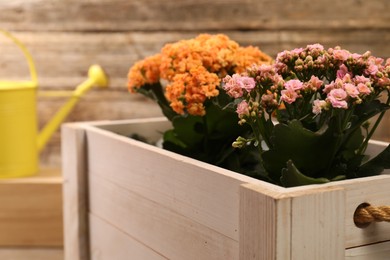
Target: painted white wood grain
x=75, y=193
x=317, y=224
x=374, y=190
x=380, y=251
x=181, y=184
x=108, y=242
x=196, y=205
x=162, y=229
x=265, y=224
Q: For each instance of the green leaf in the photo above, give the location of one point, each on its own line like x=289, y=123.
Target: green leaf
x=208, y=138
x=188, y=129
x=376, y=165
x=222, y=123
x=292, y=177
x=156, y=93
x=312, y=152
x=170, y=137
x=365, y=111
x=352, y=142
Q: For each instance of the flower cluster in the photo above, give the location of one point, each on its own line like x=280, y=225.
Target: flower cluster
x=193, y=70
x=311, y=76
x=315, y=90
x=185, y=81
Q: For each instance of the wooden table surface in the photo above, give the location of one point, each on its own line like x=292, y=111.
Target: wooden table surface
x=31, y=222
x=31, y=253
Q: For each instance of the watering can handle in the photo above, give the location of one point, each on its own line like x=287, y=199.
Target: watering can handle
x=26, y=53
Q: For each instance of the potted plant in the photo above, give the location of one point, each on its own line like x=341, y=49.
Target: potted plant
x=128, y=199
x=184, y=80
x=323, y=101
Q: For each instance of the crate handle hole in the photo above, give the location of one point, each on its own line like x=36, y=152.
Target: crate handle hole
x=359, y=218
x=365, y=214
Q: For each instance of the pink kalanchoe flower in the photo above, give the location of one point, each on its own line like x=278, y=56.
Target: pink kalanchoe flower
x=297, y=51
x=293, y=85
x=316, y=46
x=372, y=69
x=329, y=87
x=232, y=86
x=387, y=62
x=341, y=55
x=342, y=71
x=356, y=56
x=284, y=55
x=363, y=89
x=318, y=106
x=243, y=109
x=315, y=82
x=384, y=82
x=361, y=79
x=247, y=83
x=289, y=96
x=281, y=67
x=337, y=98
x=264, y=68
x=269, y=102
x=322, y=59
x=315, y=49
x=347, y=78
x=374, y=65
x=338, y=83
x=351, y=90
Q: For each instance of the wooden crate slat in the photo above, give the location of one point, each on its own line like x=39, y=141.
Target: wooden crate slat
x=376, y=192
x=102, y=234
x=317, y=223
x=76, y=242
x=378, y=251
x=264, y=224
x=179, y=183
x=166, y=232
x=373, y=190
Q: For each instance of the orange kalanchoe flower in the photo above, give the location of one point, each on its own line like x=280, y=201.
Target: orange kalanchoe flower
x=144, y=72
x=189, y=90
x=193, y=69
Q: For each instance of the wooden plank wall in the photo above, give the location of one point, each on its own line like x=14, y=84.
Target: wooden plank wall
x=66, y=36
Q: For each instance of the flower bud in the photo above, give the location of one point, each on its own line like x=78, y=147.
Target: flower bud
x=240, y=142
x=298, y=62
x=242, y=121
x=308, y=59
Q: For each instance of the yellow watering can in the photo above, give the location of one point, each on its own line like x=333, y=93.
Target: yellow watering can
x=20, y=142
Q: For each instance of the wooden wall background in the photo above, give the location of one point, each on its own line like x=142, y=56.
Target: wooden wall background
x=66, y=36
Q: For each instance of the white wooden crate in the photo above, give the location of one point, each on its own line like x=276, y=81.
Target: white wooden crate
x=124, y=199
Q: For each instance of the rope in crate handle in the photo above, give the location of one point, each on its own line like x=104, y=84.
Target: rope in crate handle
x=26, y=54
x=366, y=214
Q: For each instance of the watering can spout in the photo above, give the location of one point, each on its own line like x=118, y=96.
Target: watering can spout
x=96, y=77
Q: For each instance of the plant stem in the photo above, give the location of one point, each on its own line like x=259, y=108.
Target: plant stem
x=363, y=147
x=158, y=92
x=206, y=133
